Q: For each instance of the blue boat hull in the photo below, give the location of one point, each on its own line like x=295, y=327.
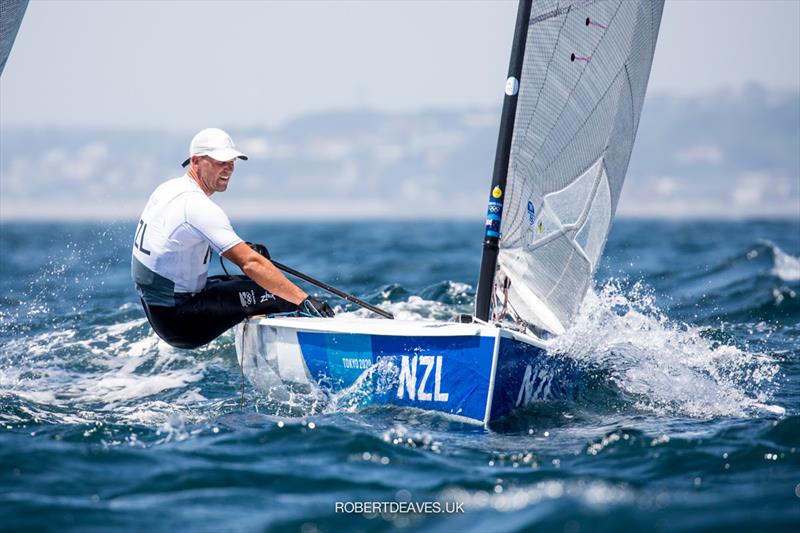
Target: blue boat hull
x=475, y=373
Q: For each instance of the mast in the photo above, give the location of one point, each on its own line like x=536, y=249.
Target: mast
x=494, y=214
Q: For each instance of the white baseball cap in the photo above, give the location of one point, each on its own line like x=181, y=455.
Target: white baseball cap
x=214, y=143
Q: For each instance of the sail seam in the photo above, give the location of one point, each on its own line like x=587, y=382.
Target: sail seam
x=634, y=122
x=550, y=14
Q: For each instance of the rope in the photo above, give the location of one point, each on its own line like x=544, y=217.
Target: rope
x=499, y=317
x=222, y=264
x=241, y=363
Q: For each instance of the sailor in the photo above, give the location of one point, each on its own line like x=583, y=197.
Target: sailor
x=178, y=229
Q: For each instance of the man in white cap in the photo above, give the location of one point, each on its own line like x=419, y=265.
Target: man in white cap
x=177, y=231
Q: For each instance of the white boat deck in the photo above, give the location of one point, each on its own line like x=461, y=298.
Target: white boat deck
x=376, y=326
x=382, y=326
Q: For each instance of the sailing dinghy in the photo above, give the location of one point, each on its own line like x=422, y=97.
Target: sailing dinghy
x=576, y=84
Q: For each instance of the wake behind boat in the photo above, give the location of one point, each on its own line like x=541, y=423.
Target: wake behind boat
x=576, y=84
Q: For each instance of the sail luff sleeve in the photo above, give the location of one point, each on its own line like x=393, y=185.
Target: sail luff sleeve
x=495, y=209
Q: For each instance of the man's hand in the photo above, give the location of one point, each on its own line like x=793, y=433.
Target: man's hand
x=314, y=307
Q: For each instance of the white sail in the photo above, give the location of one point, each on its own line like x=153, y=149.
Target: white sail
x=11, y=13
x=581, y=91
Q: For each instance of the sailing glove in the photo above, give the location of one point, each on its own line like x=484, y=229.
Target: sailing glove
x=314, y=307
x=259, y=248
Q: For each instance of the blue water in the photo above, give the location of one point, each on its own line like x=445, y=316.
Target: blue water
x=691, y=421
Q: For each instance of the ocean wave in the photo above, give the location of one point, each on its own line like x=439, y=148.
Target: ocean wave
x=443, y=301
x=595, y=494
x=121, y=373
x=785, y=266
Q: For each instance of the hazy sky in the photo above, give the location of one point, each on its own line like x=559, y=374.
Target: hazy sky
x=185, y=64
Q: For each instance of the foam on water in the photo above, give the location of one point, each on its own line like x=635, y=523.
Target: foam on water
x=112, y=374
x=377, y=379
x=665, y=367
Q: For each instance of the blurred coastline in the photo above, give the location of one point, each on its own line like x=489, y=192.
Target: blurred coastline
x=732, y=154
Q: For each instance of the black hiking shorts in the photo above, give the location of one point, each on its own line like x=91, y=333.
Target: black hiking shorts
x=200, y=318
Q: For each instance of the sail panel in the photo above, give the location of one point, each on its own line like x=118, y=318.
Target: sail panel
x=581, y=92
x=11, y=13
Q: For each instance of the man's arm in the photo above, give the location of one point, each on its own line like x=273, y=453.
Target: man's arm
x=263, y=272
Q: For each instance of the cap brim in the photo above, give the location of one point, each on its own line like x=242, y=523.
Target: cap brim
x=223, y=154
x=226, y=154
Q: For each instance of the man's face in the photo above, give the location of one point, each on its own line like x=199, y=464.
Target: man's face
x=214, y=175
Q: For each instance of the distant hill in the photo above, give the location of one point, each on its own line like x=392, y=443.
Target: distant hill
x=728, y=154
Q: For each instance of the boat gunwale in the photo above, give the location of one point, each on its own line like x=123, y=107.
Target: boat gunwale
x=409, y=328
